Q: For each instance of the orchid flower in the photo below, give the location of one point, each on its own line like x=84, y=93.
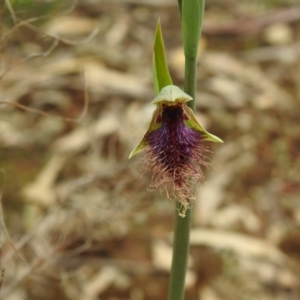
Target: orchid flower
x=174, y=147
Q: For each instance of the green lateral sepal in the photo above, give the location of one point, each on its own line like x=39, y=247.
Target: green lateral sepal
x=154, y=124
x=193, y=123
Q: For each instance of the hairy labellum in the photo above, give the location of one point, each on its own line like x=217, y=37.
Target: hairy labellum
x=174, y=147
x=175, y=154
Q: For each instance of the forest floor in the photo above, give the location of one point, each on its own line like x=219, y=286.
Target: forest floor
x=78, y=220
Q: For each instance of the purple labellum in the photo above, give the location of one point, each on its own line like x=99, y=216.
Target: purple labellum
x=175, y=154
x=174, y=146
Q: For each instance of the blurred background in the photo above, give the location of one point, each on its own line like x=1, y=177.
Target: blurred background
x=78, y=221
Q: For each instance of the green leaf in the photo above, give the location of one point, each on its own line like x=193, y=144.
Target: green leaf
x=161, y=75
x=192, y=16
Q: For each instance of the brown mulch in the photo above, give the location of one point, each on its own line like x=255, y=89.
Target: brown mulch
x=77, y=219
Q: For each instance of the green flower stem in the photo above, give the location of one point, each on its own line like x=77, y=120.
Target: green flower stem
x=190, y=79
x=180, y=255
x=192, y=14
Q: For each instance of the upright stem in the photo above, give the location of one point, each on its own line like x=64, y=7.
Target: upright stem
x=180, y=255
x=192, y=14
x=190, y=76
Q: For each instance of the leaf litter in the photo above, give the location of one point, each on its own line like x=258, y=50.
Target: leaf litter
x=80, y=221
